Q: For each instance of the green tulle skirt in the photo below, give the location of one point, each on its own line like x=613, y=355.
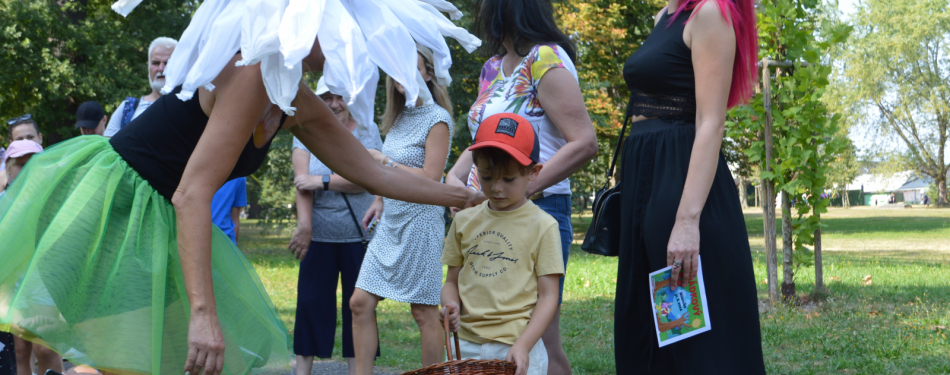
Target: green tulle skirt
x=89, y=267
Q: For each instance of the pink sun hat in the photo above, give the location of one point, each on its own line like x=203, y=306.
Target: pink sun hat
x=21, y=148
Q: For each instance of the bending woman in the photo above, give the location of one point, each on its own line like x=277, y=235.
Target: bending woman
x=679, y=199
x=119, y=232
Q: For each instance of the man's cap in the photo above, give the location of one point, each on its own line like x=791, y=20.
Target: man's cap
x=511, y=133
x=89, y=114
x=21, y=148
x=322, y=87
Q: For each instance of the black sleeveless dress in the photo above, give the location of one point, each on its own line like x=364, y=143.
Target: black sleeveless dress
x=655, y=163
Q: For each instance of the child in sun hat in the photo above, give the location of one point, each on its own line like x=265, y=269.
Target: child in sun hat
x=504, y=256
x=15, y=159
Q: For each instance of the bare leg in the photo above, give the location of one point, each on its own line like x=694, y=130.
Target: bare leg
x=427, y=317
x=363, y=306
x=24, y=352
x=304, y=364
x=47, y=359
x=351, y=366
x=557, y=359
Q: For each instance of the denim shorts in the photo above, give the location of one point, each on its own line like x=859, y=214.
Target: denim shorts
x=559, y=206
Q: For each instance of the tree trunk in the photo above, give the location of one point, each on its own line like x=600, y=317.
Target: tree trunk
x=819, y=271
x=845, y=200
x=758, y=193
x=941, y=191
x=788, y=277
x=743, y=197
x=771, y=251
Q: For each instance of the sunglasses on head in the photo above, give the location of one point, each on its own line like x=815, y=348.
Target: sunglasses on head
x=17, y=120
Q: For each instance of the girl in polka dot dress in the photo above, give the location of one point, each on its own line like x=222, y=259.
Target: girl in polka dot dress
x=402, y=261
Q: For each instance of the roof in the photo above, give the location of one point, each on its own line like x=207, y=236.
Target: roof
x=875, y=183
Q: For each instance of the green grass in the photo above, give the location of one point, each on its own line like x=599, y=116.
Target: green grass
x=892, y=326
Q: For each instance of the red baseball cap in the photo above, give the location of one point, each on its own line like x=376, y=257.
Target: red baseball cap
x=511, y=133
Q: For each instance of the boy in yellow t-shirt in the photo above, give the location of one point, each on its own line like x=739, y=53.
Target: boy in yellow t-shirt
x=504, y=256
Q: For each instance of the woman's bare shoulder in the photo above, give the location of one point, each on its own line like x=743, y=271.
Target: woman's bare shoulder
x=709, y=14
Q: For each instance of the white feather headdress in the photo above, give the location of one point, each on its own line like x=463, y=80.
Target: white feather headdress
x=358, y=37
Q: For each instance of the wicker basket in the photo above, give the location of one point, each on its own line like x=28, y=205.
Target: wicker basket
x=464, y=367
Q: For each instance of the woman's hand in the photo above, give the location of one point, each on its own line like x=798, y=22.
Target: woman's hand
x=683, y=248
x=519, y=356
x=474, y=198
x=300, y=242
x=307, y=182
x=375, y=211
x=377, y=155
x=205, y=344
x=455, y=320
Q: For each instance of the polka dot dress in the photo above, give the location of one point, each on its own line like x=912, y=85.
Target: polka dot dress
x=402, y=261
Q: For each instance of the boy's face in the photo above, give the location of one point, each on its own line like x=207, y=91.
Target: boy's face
x=26, y=131
x=505, y=192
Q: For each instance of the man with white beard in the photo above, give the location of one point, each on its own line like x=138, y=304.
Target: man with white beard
x=158, y=54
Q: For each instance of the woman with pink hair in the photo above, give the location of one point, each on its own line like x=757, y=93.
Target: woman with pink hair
x=678, y=195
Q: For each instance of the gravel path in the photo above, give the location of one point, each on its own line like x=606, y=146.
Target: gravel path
x=334, y=368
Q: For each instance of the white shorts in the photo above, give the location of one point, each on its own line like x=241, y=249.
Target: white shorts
x=537, y=357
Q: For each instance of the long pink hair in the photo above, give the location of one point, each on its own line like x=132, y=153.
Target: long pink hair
x=744, y=72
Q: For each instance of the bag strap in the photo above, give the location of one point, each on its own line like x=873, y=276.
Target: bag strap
x=352, y=215
x=610, y=172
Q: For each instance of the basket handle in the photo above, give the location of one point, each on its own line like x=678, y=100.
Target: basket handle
x=448, y=346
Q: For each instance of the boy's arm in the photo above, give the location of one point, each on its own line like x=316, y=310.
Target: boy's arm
x=451, y=300
x=548, y=286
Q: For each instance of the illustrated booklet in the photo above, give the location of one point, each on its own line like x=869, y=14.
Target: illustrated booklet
x=678, y=314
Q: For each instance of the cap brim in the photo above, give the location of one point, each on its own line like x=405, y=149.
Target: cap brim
x=18, y=154
x=88, y=124
x=511, y=150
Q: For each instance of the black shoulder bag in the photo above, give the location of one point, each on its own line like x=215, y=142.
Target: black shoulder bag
x=603, y=235
x=359, y=227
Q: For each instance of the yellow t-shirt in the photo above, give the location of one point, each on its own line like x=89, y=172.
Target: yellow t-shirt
x=502, y=254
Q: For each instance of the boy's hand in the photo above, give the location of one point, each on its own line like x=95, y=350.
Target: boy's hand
x=519, y=356
x=455, y=321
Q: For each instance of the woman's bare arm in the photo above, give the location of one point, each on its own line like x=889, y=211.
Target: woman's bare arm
x=561, y=98
x=300, y=241
x=238, y=103
x=303, y=180
x=713, y=43
x=333, y=144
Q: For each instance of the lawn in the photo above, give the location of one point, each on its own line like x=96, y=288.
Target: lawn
x=896, y=325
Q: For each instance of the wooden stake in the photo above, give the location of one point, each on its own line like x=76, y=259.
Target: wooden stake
x=768, y=189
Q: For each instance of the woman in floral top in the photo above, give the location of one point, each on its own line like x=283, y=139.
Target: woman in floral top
x=532, y=74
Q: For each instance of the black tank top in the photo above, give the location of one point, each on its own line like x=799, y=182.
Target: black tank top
x=158, y=143
x=660, y=73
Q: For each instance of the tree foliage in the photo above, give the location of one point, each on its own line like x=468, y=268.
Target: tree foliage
x=897, y=72
x=805, y=133
x=606, y=34
x=59, y=54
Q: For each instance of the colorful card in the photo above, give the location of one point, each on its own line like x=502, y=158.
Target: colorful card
x=678, y=314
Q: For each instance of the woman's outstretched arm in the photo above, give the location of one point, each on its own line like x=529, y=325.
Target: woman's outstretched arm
x=332, y=143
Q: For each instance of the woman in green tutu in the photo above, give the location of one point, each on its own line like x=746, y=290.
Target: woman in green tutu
x=109, y=254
